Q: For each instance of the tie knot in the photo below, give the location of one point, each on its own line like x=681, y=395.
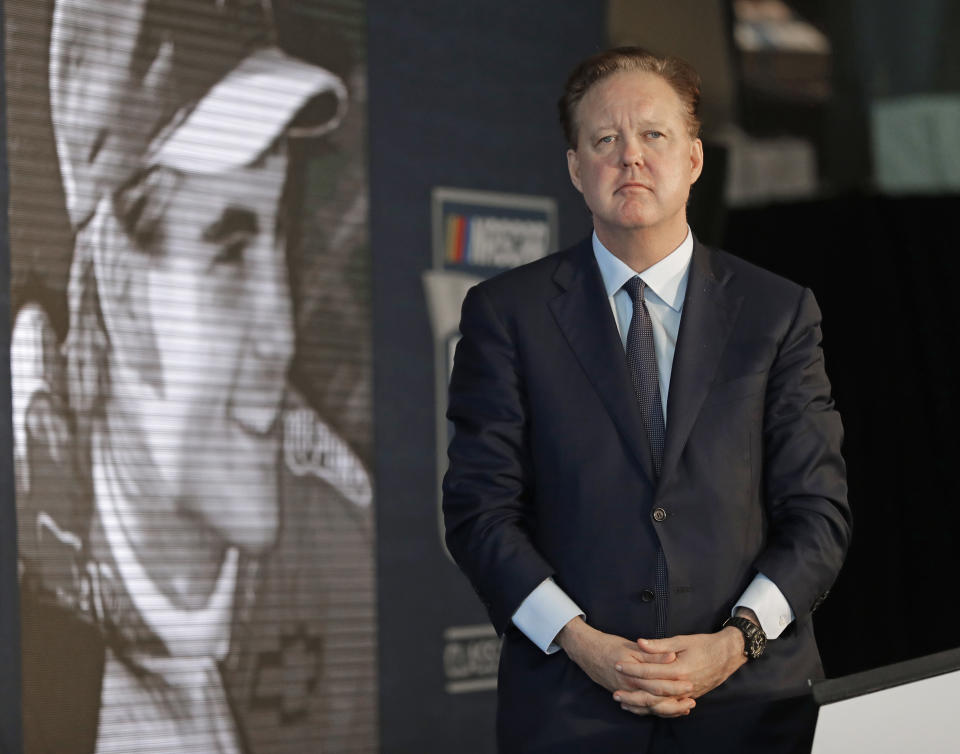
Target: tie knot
x=635, y=286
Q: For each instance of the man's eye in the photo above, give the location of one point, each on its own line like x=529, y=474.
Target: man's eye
x=230, y=234
x=607, y=139
x=232, y=248
x=654, y=134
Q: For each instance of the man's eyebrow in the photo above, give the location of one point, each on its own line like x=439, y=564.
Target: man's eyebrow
x=232, y=220
x=605, y=126
x=659, y=124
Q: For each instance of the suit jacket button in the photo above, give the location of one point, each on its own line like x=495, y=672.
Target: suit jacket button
x=659, y=514
x=647, y=595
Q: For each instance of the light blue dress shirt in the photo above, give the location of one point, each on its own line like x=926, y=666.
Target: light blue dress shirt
x=548, y=608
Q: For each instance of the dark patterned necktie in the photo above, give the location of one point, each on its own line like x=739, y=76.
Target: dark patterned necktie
x=642, y=361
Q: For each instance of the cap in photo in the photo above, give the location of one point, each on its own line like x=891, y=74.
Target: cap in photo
x=245, y=112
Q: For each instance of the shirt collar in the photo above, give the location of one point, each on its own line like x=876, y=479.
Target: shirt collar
x=667, y=278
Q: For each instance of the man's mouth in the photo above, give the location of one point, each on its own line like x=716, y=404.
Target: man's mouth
x=628, y=186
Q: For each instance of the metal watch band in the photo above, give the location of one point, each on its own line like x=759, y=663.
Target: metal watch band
x=754, y=638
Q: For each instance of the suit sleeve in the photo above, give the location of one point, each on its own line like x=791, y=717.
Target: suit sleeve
x=488, y=489
x=804, y=474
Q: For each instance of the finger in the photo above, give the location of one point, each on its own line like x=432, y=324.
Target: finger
x=673, y=707
x=659, y=687
x=658, y=712
x=634, y=701
x=658, y=657
x=637, y=655
x=659, y=646
x=650, y=670
x=651, y=705
x=645, y=698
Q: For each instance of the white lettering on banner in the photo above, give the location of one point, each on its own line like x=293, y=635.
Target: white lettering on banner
x=471, y=656
x=507, y=242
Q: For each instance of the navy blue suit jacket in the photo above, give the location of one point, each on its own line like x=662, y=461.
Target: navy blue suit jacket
x=550, y=475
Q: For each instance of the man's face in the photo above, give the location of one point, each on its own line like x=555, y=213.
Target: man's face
x=218, y=306
x=635, y=160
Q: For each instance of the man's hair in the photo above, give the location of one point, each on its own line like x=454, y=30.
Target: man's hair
x=678, y=73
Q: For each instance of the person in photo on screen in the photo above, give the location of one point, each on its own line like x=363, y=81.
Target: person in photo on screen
x=172, y=392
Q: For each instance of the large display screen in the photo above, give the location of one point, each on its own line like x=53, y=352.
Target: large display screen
x=191, y=375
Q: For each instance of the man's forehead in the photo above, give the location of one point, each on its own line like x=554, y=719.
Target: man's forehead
x=642, y=101
x=631, y=86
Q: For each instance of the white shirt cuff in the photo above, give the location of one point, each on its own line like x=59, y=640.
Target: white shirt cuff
x=543, y=613
x=768, y=603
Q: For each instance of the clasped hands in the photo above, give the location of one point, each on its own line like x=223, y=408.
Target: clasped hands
x=661, y=677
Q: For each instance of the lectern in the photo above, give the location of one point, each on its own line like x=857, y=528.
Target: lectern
x=911, y=706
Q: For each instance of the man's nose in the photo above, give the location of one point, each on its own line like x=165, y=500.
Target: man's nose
x=276, y=343
x=632, y=154
x=274, y=339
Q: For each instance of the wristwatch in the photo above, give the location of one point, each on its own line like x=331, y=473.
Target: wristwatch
x=754, y=639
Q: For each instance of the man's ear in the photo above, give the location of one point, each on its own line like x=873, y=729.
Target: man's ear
x=696, y=160
x=573, y=165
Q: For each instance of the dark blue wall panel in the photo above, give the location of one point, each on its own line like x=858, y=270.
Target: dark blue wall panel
x=461, y=94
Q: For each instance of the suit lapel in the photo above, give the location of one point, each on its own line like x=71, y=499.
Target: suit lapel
x=584, y=316
x=709, y=313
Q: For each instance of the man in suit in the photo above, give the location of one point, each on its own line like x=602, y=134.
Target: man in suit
x=645, y=487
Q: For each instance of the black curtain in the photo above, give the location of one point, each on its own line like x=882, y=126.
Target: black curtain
x=886, y=273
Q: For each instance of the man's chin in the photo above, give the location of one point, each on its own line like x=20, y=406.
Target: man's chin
x=240, y=505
